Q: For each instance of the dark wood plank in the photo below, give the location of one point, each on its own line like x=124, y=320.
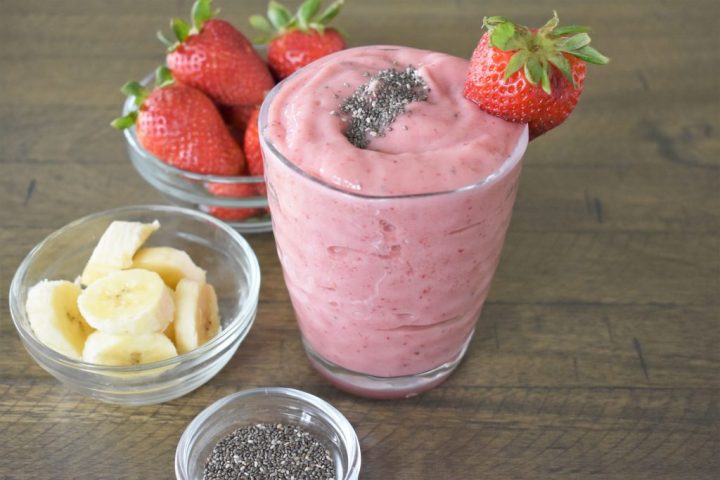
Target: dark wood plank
x=460, y=432
x=645, y=268
x=543, y=346
x=598, y=199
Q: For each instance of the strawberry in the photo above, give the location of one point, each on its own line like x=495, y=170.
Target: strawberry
x=212, y=56
x=236, y=190
x=251, y=145
x=182, y=127
x=298, y=40
x=532, y=76
x=238, y=116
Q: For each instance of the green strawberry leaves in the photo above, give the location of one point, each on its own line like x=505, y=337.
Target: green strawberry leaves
x=201, y=12
x=259, y=22
x=533, y=70
x=537, y=51
x=517, y=61
x=306, y=12
x=550, y=25
x=567, y=30
x=279, y=19
x=121, y=123
x=131, y=89
x=502, y=35
x=330, y=12
x=562, y=64
x=590, y=55
x=163, y=78
x=136, y=90
x=180, y=28
x=573, y=43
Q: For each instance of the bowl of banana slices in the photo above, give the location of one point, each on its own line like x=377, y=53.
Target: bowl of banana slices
x=138, y=305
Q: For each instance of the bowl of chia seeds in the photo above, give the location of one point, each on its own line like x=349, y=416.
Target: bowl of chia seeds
x=270, y=433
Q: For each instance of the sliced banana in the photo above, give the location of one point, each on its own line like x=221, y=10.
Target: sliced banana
x=121, y=349
x=170, y=331
x=170, y=263
x=52, y=309
x=116, y=248
x=128, y=301
x=196, y=314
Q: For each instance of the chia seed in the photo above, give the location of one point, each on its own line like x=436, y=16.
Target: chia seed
x=264, y=451
x=375, y=105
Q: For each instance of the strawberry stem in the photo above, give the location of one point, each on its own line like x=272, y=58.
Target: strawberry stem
x=330, y=12
x=306, y=12
x=279, y=19
x=136, y=90
x=562, y=64
x=163, y=77
x=590, y=55
x=516, y=63
x=180, y=28
x=127, y=121
x=537, y=51
x=201, y=12
x=259, y=22
x=168, y=44
x=567, y=30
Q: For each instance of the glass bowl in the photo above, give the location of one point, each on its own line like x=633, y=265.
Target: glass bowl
x=193, y=190
x=268, y=405
x=231, y=266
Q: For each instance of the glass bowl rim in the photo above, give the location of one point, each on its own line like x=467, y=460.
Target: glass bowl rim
x=242, y=321
x=343, y=428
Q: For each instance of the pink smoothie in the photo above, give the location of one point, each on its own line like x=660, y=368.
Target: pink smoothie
x=388, y=252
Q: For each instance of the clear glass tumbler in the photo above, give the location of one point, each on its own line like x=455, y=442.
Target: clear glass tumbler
x=387, y=290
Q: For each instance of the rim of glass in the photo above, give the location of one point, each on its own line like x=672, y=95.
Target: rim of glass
x=507, y=165
x=18, y=312
x=131, y=137
x=340, y=423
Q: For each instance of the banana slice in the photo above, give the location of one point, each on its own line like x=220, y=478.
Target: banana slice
x=170, y=263
x=196, y=315
x=122, y=349
x=128, y=301
x=116, y=248
x=52, y=309
x=170, y=332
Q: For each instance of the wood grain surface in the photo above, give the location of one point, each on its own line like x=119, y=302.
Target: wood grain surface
x=598, y=352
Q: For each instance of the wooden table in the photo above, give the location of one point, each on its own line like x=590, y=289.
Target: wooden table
x=597, y=353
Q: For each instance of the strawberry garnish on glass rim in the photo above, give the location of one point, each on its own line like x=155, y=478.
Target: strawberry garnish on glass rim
x=532, y=76
x=296, y=40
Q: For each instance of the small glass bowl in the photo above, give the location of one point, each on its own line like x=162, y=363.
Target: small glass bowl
x=193, y=190
x=231, y=266
x=268, y=405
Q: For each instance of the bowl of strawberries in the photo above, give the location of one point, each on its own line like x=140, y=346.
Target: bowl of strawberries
x=192, y=126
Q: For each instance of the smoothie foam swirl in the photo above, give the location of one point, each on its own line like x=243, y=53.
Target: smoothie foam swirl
x=442, y=143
